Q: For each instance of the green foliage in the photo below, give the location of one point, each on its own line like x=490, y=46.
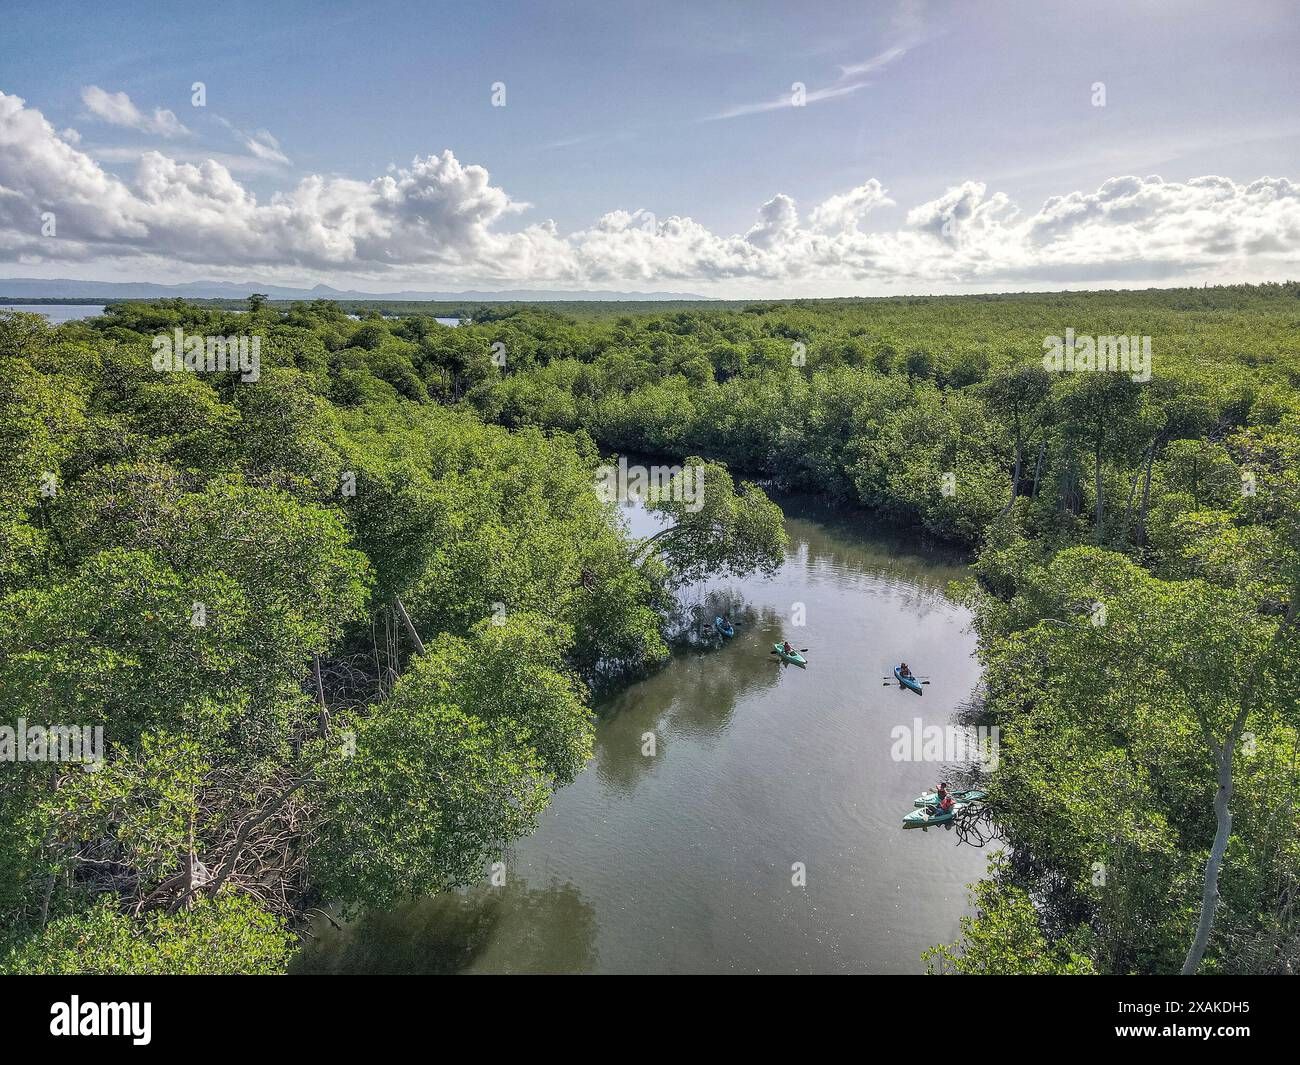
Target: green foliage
x=383, y=461
x=1004, y=938
x=455, y=764
x=227, y=935
x=713, y=528
x=212, y=570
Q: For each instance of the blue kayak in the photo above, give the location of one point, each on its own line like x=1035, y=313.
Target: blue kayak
x=727, y=630
x=908, y=682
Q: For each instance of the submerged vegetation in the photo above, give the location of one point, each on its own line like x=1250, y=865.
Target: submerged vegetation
x=407, y=586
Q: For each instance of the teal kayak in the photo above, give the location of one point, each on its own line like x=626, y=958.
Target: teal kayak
x=908, y=682
x=728, y=631
x=793, y=656
x=931, y=799
x=922, y=818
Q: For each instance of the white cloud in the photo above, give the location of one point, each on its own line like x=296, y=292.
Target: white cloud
x=117, y=109
x=440, y=214
x=847, y=209
x=239, y=164
x=787, y=100
x=909, y=29
x=260, y=144
x=264, y=146
x=874, y=64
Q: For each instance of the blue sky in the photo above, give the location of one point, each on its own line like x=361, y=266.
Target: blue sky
x=974, y=113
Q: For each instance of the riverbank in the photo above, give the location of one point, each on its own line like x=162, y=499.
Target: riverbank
x=685, y=860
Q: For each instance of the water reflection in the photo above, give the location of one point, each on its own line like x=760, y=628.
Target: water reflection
x=681, y=860
x=484, y=929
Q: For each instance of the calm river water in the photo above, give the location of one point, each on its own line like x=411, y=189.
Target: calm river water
x=682, y=862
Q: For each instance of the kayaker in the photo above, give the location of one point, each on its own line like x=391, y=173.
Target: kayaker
x=944, y=806
x=786, y=648
x=904, y=670
x=941, y=792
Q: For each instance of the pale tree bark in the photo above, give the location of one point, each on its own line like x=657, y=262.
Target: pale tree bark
x=1038, y=467
x=1146, y=497
x=410, y=628
x=1223, y=757
x=1015, y=477
x=1222, y=832
x=1097, y=487
x=323, y=714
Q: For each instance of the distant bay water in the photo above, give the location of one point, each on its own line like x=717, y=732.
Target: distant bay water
x=57, y=313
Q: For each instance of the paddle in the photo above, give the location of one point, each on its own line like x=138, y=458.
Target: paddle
x=894, y=680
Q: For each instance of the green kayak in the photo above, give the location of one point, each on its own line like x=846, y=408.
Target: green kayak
x=931, y=799
x=922, y=818
x=793, y=656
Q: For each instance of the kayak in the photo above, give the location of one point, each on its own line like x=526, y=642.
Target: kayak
x=908, y=682
x=793, y=656
x=931, y=799
x=727, y=630
x=924, y=819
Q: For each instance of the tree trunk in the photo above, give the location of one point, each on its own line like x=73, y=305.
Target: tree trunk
x=1097, y=486
x=1146, y=497
x=1223, y=830
x=1038, y=466
x=1222, y=814
x=1132, y=494
x=1015, y=477
x=322, y=715
x=253, y=822
x=406, y=620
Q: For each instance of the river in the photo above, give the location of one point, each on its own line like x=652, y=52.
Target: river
x=684, y=861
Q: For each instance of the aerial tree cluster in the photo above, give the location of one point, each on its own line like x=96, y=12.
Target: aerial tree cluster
x=342, y=622
x=340, y=637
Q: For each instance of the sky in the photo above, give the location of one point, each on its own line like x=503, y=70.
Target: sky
x=745, y=149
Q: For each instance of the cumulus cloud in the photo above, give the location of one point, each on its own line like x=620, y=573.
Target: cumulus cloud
x=846, y=210
x=117, y=109
x=440, y=213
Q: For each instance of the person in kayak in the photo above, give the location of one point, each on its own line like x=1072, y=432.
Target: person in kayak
x=905, y=670
x=786, y=648
x=941, y=792
x=945, y=806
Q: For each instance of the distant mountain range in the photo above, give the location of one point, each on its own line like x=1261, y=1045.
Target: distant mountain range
x=64, y=288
